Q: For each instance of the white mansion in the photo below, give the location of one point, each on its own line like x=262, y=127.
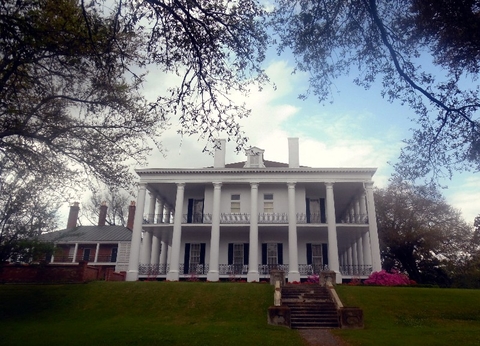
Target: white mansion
x=244, y=219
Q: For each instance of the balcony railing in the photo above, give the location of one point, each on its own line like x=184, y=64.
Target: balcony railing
x=356, y=270
x=90, y=259
x=242, y=269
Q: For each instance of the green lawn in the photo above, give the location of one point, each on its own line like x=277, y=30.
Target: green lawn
x=187, y=313
x=414, y=316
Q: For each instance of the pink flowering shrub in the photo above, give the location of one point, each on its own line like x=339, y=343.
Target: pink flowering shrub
x=312, y=279
x=383, y=278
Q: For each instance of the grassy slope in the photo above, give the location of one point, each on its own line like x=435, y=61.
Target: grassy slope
x=414, y=316
x=140, y=313
x=167, y=313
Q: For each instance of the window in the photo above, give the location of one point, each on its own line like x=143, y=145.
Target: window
x=268, y=203
x=194, y=255
x=272, y=253
x=235, y=204
x=317, y=255
x=86, y=255
x=238, y=253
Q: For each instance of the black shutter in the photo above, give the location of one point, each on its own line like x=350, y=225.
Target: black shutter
x=230, y=253
x=186, y=258
x=264, y=253
x=307, y=204
x=325, y=254
x=202, y=253
x=280, y=253
x=309, y=253
x=246, y=253
x=323, y=218
x=190, y=210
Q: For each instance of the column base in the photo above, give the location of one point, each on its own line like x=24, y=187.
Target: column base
x=131, y=275
x=172, y=276
x=253, y=277
x=293, y=276
x=213, y=276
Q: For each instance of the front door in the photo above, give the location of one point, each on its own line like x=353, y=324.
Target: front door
x=195, y=211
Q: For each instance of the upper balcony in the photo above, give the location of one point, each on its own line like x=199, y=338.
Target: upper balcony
x=263, y=218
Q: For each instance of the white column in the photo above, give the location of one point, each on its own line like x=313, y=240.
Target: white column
x=160, y=206
x=213, y=273
x=132, y=273
x=372, y=226
x=293, y=273
x=168, y=210
x=155, y=250
x=75, y=250
x=96, y=253
x=367, y=250
x=332, y=233
x=163, y=254
x=357, y=211
x=146, y=253
x=151, y=208
x=253, y=274
x=360, y=251
x=363, y=208
x=354, y=256
x=177, y=234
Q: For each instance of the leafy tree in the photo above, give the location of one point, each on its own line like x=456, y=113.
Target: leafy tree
x=71, y=102
x=419, y=232
x=394, y=42
x=25, y=213
x=117, y=202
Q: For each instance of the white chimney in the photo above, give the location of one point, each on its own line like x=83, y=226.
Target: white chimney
x=219, y=160
x=293, y=153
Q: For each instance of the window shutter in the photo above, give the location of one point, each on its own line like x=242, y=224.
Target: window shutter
x=202, y=253
x=309, y=253
x=186, y=258
x=280, y=253
x=246, y=252
x=190, y=210
x=230, y=253
x=325, y=254
x=323, y=218
x=264, y=253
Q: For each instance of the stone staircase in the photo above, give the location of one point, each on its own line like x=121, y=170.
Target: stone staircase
x=310, y=307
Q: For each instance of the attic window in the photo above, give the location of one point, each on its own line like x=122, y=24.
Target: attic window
x=254, y=158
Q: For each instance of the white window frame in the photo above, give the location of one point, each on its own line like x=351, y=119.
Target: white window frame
x=235, y=204
x=272, y=253
x=268, y=205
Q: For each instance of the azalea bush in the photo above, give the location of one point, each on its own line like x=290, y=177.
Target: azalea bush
x=384, y=278
x=313, y=279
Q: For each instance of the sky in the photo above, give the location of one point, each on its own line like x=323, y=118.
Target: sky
x=358, y=129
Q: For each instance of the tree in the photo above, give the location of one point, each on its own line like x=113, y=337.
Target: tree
x=419, y=232
x=117, y=202
x=71, y=102
x=389, y=41
x=25, y=213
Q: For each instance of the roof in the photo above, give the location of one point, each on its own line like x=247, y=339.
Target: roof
x=89, y=233
x=267, y=163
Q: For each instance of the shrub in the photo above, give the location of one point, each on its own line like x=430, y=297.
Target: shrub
x=383, y=278
x=313, y=279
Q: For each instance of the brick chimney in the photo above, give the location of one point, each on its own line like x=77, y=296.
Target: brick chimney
x=73, y=215
x=102, y=217
x=131, y=215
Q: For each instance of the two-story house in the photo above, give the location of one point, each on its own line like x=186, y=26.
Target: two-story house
x=244, y=219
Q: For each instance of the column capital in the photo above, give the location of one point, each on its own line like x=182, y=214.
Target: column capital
x=291, y=184
x=180, y=185
x=368, y=184
x=254, y=184
x=217, y=184
x=329, y=184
